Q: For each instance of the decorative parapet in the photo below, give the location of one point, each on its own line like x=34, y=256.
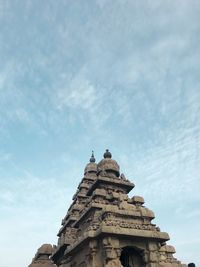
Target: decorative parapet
x=120, y=184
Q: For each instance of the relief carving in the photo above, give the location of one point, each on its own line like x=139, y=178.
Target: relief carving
x=102, y=200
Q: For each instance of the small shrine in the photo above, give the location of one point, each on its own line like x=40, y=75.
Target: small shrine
x=42, y=257
x=104, y=227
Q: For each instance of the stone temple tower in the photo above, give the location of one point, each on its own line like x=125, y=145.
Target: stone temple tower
x=105, y=228
x=42, y=257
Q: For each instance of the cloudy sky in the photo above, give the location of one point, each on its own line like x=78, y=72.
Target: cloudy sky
x=77, y=76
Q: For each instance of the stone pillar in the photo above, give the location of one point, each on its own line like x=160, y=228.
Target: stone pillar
x=112, y=252
x=91, y=257
x=153, y=257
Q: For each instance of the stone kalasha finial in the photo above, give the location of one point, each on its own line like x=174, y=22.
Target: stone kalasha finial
x=108, y=166
x=91, y=166
x=107, y=154
x=92, y=159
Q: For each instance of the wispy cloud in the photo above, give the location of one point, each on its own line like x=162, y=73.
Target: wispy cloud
x=79, y=76
x=32, y=203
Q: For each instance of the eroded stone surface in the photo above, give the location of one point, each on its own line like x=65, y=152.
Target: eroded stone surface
x=105, y=228
x=42, y=257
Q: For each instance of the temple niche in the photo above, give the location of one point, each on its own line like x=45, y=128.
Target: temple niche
x=105, y=228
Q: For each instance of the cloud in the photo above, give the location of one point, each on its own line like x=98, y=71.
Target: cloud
x=80, y=94
x=77, y=76
x=4, y=157
x=171, y=169
x=36, y=206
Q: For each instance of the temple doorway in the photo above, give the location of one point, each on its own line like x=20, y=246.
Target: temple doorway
x=131, y=257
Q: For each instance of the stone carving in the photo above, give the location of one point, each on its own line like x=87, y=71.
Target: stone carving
x=105, y=228
x=42, y=257
x=131, y=225
x=107, y=166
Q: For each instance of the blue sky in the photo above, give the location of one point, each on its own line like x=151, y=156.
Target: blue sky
x=77, y=76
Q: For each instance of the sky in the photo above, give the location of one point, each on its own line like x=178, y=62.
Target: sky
x=77, y=76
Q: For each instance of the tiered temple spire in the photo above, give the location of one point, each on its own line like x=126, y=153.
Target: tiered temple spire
x=104, y=227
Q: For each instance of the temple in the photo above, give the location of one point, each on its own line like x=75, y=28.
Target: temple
x=105, y=228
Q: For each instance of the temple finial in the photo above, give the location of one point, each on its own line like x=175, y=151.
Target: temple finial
x=107, y=154
x=92, y=159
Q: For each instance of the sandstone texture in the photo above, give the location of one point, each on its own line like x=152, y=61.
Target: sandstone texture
x=105, y=228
